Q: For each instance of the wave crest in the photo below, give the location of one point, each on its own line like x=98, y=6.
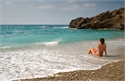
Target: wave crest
x=5, y=47
x=52, y=43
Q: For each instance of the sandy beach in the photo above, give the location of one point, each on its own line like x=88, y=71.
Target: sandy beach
x=113, y=71
x=109, y=72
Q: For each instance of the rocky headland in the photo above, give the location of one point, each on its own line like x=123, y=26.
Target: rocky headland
x=105, y=20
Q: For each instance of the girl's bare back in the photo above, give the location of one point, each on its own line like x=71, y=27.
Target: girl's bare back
x=100, y=50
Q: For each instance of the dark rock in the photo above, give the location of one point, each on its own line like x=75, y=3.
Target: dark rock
x=109, y=20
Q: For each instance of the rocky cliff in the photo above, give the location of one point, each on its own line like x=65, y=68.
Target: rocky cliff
x=105, y=20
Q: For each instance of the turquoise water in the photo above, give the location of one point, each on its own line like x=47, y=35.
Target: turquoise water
x=34, y=51
x=42, y=35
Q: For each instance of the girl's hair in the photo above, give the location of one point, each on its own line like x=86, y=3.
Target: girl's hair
x=102, y=40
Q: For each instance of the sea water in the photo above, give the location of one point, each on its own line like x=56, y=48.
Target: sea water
x=31, y=51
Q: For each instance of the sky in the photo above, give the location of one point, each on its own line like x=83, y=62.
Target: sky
x=52, y=11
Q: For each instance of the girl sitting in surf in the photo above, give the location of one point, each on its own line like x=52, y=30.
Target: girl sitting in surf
x=101, y=48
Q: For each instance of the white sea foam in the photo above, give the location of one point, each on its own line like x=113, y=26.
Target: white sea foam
x=5, y=47
x=53, y=43
x=45, y=61
x=64, y=27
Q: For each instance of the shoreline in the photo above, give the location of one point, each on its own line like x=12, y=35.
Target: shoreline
x=108, y=72
x=78, y=74
x=115, y=51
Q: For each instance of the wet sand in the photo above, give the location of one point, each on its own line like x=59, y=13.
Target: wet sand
x=109, y=72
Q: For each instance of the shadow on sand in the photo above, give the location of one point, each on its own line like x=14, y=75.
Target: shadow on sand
x=111, y=56
x=115, y=56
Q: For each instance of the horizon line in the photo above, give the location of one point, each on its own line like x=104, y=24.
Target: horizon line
x=34, y=24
